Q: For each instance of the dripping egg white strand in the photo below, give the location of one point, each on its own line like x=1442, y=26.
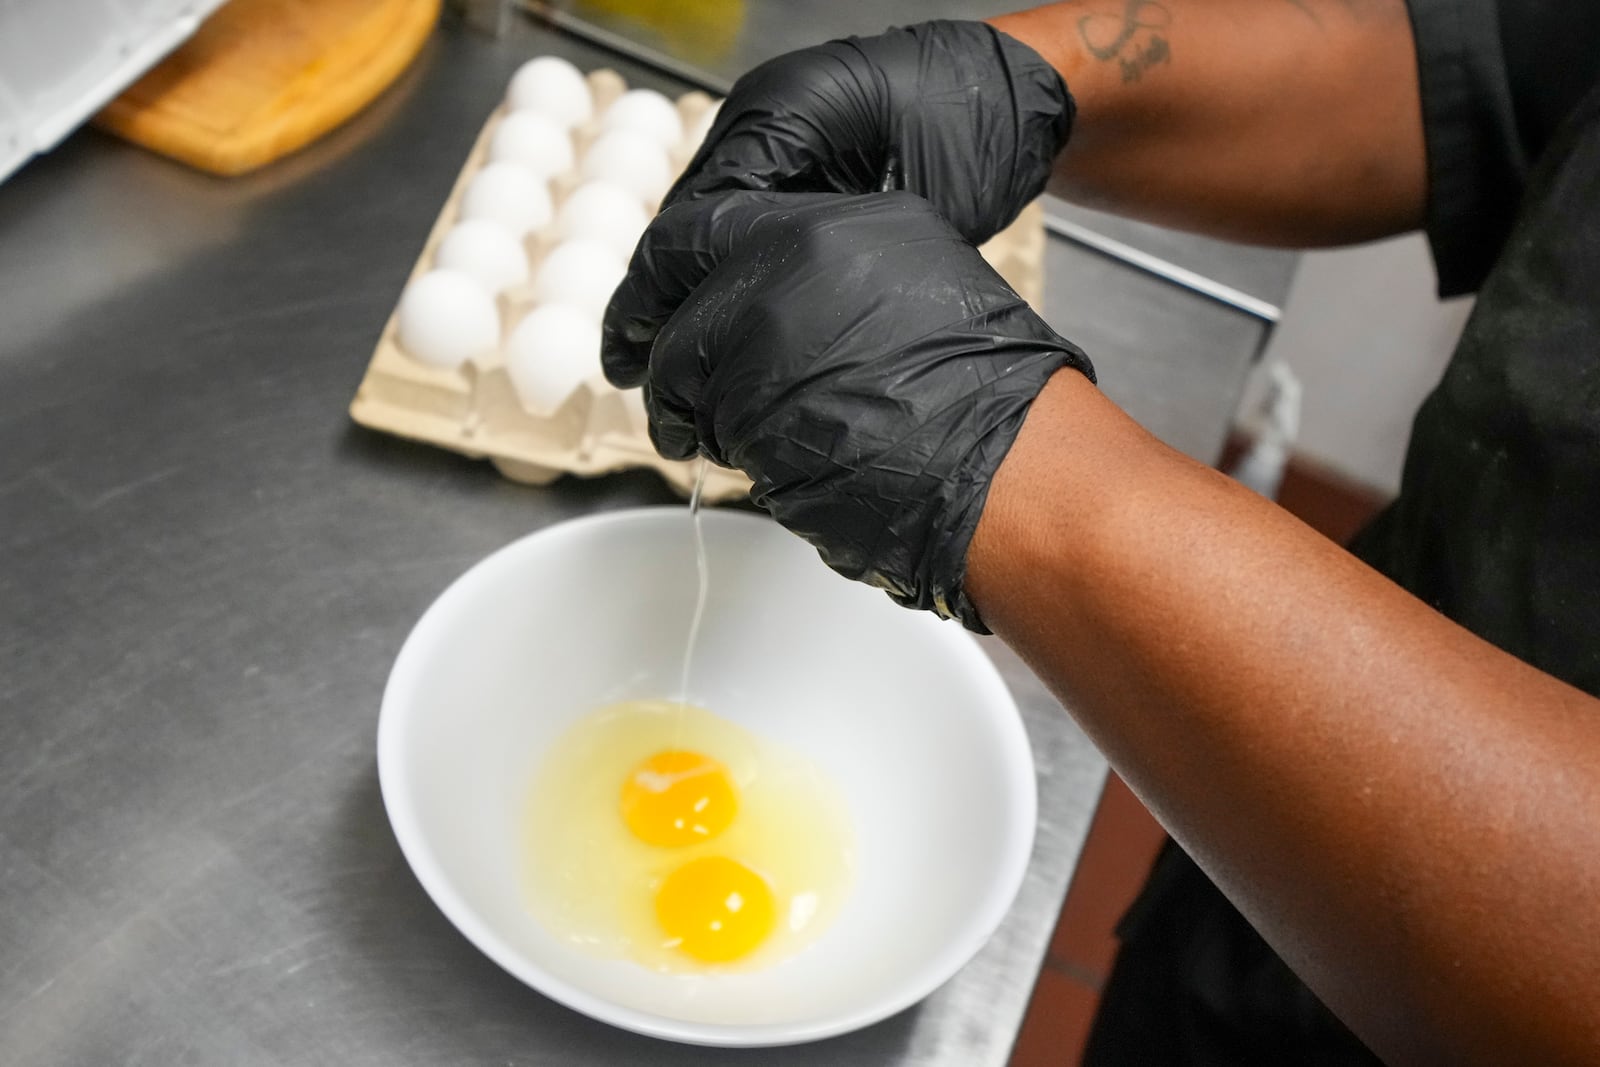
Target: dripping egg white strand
x=700, y=561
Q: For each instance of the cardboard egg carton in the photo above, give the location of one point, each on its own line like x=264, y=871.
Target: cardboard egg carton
x=473, y=409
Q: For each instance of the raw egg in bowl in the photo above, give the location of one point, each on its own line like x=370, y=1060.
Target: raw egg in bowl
x=823, y=828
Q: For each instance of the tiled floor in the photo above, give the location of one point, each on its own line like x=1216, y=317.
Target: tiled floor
x=1124, y=838
x=1122, y=843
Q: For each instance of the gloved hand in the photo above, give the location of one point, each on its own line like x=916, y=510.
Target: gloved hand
x=957, y=112
x=855, y=356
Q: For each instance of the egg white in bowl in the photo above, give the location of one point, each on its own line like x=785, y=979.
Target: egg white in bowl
x=902, y=714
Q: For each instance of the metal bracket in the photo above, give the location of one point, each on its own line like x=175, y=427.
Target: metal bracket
x=1164, y=269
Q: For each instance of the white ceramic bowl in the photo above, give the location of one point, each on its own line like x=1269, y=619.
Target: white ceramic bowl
x=904, y=711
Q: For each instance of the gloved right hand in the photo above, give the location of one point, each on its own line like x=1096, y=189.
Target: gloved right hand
x=853, y=355
x=965, y=116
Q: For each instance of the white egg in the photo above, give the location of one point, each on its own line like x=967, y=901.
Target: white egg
x=485, y=251
x=648, y=112
x=447, y=318
x=533, y=140
x=632, y=160
x=581, y=273
x=550, y=354
x=509, y=194
x=552, y=87
x=605, y=212
x=702, y=126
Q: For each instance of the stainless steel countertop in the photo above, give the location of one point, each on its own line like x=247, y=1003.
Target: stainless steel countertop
x=206, y=570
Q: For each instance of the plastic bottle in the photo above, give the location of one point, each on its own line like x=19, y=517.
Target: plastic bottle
x=1262, y=465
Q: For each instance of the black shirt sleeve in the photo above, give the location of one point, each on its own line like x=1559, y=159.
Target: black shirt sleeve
x=1497, y=79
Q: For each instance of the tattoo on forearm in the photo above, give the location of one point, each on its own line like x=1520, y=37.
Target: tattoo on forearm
x=1134, y=39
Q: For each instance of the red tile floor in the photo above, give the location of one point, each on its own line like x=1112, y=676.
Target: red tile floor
x=1121, y=845
x=1124, y=838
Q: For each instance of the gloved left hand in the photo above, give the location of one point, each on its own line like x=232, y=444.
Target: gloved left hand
x=965, y=116
x=957, y=112
x=855, y=356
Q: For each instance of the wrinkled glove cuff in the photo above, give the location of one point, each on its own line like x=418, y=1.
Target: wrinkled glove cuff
x=943, y=575
x=940, y=578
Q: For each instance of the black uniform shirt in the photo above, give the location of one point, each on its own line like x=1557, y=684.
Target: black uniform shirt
x=1498, y=519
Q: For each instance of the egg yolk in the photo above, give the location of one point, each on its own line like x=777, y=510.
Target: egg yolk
x=716, y=909
x=678, y=798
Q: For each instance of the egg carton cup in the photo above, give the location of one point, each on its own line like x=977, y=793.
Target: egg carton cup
x=474, y=410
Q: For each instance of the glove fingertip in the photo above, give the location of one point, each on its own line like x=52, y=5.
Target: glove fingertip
x=672, y=441
x=622, y=367
x=625, y=340
x=671, y=433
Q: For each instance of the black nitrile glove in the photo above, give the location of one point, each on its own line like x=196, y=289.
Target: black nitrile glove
x=957, y=112
x=855, y=356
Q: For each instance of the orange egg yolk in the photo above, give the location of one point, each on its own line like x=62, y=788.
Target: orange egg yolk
x=716, y=909
x=678, y=798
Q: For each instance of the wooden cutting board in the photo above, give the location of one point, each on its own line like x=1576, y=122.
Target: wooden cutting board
x=262, y=78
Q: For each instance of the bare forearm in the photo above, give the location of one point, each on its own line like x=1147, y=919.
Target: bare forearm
x=1406, y=813
x=1292, y=122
